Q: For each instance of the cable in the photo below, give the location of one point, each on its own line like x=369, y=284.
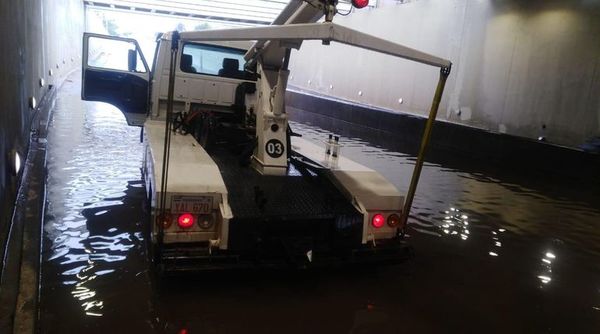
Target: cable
x=344, y=14
x=347, y=13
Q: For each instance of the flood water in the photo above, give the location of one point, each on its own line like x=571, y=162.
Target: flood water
x=496, y=251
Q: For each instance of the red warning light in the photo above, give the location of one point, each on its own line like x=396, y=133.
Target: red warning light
x=360, y=3
x=378, y=221
x=185, y=220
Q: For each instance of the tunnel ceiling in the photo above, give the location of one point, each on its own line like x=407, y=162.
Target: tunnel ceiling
x=240, y=11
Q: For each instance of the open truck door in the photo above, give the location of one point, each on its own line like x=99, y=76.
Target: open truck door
x=115, y=71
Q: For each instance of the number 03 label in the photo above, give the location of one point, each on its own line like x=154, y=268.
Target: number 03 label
x=274, y=148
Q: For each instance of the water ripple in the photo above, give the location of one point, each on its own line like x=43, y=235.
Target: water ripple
x=90, y=171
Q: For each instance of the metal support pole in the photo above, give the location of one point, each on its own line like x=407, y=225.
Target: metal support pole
x=444, y=73
x=167, y=140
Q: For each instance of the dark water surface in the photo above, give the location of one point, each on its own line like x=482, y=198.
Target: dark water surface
x=496, y=251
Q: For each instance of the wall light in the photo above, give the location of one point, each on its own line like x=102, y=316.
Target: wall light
x=16, y=162
x=32, y=102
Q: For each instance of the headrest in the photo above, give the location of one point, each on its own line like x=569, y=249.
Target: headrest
x=186, y=61
x=231, y=64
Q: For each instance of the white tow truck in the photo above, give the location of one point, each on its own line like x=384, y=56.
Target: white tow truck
x=228, y=182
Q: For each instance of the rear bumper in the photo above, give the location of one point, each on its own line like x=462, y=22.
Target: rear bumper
x=182, y=258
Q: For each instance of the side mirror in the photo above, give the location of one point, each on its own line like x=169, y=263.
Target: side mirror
x=131, y=60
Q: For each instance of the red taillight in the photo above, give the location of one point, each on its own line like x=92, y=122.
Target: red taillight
x=378, y=221
x=393, y=220
x=185, y=220
x=165, y=220
x=360, y=3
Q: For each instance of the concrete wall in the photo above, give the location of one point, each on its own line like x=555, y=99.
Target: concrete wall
x=518, y=64
x=38, y=36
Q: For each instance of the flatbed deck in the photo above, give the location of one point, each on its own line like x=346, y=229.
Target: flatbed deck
x=297, y=212
x=302, y=193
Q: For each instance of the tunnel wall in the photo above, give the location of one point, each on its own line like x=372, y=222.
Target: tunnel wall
x=517, y=64
x=41, y=40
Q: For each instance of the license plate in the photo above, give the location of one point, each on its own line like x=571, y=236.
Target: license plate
x=197, y=205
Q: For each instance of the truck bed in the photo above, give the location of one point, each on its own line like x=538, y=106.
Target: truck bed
x=301, y=208
x=300, y=193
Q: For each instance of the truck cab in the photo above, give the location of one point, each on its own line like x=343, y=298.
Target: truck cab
x=115, y=71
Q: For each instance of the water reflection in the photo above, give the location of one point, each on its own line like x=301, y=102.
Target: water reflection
x=90, y=171
x=545, y=276
x=561, y=212
x=456, y=223
x=508, y=222
x=497, y=244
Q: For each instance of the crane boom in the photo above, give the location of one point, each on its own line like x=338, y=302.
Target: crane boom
x=271, y=53
x=294, y=34
x=271, y=57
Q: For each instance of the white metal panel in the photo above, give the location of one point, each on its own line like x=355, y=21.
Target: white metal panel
x=226, y=93
x=197, y=89
x=180, y=91
x=368, y=189
x=164, y=86
x=367, y=186
x=211, y=92
x=191, y=169
x=204, y=89
x=317, y=31
x=192, y=172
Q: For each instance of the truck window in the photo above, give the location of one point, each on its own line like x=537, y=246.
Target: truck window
x=213, y=60
x=113, y=55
